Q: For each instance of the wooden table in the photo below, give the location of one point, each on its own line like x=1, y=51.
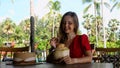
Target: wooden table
x=48, y=65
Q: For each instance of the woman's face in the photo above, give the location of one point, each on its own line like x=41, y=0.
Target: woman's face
x=68, y=24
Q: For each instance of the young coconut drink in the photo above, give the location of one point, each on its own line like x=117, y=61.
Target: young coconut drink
x=61, y=51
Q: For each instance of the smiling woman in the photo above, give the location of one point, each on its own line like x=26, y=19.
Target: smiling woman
x=80, y=50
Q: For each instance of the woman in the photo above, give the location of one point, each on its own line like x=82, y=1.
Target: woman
x=80, y=51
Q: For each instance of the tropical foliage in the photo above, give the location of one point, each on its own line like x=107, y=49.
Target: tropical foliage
x=47, y=27
x=95, y=27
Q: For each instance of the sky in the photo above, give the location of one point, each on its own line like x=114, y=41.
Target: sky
x=20, y=10
x=16, y=11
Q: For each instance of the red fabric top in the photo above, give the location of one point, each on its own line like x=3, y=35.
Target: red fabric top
x=79, y=46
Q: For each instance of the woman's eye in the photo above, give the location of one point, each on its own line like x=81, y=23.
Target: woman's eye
x=70, y=23
x=64, y=22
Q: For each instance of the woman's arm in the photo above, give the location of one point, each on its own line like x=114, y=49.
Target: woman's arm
x=86, y=59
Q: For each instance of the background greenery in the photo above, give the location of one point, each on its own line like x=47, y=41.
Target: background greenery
x=47, y=27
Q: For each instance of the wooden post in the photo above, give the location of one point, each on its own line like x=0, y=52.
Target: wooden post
x=32, y=33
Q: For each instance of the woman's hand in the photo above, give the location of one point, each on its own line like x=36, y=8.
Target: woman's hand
x=67, y=60
x=53, y=42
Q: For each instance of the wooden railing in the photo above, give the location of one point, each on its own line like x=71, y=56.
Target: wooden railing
x=12, y=50
x=107, y=55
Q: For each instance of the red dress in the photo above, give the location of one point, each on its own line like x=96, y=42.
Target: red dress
x=79, y=45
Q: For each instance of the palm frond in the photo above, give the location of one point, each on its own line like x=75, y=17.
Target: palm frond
x=113, y=6
x=107, y=5
x=98, y=8
x=86, y=9
x=86, y=1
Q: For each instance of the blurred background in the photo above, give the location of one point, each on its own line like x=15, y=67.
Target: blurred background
x=99, y=19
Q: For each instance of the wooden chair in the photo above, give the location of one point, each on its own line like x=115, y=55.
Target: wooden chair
x=12, y=50
x=92, y=48
x=108, y=55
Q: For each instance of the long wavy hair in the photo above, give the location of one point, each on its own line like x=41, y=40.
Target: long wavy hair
x=62, y=36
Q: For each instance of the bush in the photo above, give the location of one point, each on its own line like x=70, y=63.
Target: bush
x=110, y=44
x=118, y=43
x=42, y=44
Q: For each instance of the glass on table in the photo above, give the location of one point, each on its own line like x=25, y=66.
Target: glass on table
x=40, y=56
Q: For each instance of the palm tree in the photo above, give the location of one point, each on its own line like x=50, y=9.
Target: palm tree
x=97, y=13
x=87, y=23
x=95, y=10
x=19, y=34
x=90, y=23
x=54, y=10
x=113, y=24
x=116, y=4
x=8, y=27
x=25, y=24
